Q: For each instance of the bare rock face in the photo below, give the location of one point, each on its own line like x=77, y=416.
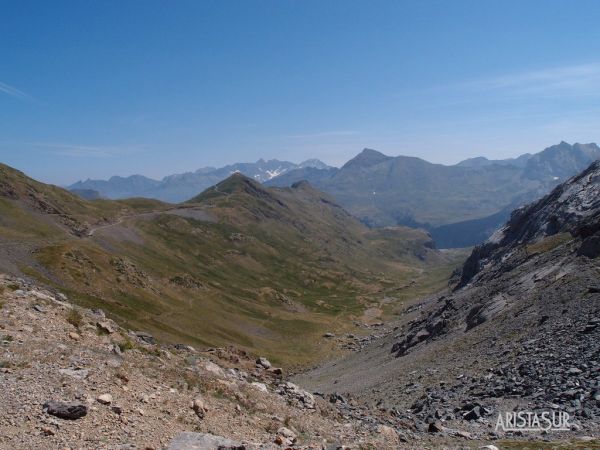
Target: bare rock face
x=66, y=410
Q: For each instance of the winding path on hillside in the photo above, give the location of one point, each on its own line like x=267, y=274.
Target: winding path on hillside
x=197, y=214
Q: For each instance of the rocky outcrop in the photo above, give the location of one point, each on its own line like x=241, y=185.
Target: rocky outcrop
x=572, y=207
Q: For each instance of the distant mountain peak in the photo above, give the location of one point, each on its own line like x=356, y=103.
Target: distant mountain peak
x=237, y=182
x=314, y=163
x=368, y=157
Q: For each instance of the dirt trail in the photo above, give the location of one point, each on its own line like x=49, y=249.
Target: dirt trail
x=179, y=211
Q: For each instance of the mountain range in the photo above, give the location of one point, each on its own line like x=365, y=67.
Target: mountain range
x=183, y=186
x=460, y=205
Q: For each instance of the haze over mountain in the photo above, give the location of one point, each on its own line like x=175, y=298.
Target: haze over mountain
x=461, y=205
x=183, y=186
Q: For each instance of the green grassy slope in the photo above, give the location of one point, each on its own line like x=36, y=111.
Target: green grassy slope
x=266, y=269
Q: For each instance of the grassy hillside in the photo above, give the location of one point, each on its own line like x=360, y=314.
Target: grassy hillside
x=269, y=270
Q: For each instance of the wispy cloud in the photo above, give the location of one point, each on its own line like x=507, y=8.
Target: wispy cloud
x=573, y=80
x=86, y=151
x=13, y=91
x=322, y=134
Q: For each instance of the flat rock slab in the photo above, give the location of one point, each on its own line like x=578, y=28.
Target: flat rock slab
x=205, y=441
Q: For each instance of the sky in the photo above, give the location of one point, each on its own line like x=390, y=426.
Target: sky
x=90, y=89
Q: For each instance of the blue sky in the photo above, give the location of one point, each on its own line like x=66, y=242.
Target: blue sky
x=93, y=89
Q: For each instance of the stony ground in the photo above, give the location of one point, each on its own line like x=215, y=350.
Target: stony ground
x=136, y=394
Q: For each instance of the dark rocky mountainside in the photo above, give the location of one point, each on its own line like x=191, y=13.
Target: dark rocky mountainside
x=460, y=205
x=520, y=330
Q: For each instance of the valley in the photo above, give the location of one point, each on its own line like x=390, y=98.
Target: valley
x=286, y=323
x=239, y=264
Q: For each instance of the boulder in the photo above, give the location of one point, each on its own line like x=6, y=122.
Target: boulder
x=473, y=414
x=65, y=410
x=260, y=386
x=296, y=396
x=263, y=362
x=285, y=436
x=106, y=326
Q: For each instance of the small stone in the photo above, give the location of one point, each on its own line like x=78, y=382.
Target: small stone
x=260, y=386
x=105, y=399
x=436, y=427
x=473, y=414
x=263, y=362
x=574, y=371
x=74, y=336
x=78, y=373
x=199, y=407
x=329, y=335
x=48, y=431
x=464, y=434
x=105, y=326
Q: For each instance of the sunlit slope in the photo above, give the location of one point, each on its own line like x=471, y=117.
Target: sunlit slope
x=266, y=269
